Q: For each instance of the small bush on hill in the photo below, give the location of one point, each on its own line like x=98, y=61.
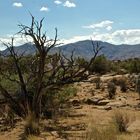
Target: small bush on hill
x=101, y=65
x=123, y=84
x=111, y=89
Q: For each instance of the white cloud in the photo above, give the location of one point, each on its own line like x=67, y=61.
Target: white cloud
x=130, y=36
x=104, y=24
x=17, y=4
x=58, y=2
x=18, y=40
x=69, y=4
x=109, y=28
x=44, y=8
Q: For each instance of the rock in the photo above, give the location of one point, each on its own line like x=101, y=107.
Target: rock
x=108, y=108
x=103, y=102
x=123, y=98
x=103, y=107
x=94, y=100
x=117, y=104
x=54, y=133
x=78, y=107
x=75, y=102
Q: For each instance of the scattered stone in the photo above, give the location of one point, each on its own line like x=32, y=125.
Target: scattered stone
x=103, y=102
x=93, y=101
x=117, y=104
x=103, y=107
x=78, y=107
x=75, y=102
x=108, y=108
x=54, y=133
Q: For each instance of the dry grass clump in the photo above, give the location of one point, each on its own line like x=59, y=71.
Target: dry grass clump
x=114, y=130
x=111, y=89
x=98, y=82
x=101, y=133
x=122, y=120
x=32, y=137
x=96, y=131
x=31, y=126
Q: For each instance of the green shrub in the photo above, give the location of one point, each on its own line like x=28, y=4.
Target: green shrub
x=54, y=99
x=134, y=66
x=66, y=93
x=101, y=65
x=138, y=85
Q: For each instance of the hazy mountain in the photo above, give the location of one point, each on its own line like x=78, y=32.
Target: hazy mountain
x=84, y=49
x=25, y=49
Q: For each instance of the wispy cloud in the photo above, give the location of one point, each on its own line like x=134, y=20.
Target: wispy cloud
x=107, y=24
x=69, y=4
x=18, y=40
x=130, y=36
x=44, y=8
x=58, y=2
x=17, y=4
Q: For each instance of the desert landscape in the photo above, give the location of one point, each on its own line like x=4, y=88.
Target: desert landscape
x=88, y=111
x=69, y=70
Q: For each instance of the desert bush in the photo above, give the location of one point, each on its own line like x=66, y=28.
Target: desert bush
x=98, y=81
x=81, y=62
x=66, y=93
x=123, y=84
x=101, y=65
x=121, y=120
x=115, y=81
x=7, y=116
x=138, y=85
x=111, y=89
x=54, y=99
x=134, y=65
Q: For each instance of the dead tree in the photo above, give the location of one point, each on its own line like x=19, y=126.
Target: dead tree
x=45, y=71
x=42, y=45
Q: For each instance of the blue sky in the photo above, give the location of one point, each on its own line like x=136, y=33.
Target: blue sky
x=114, y=21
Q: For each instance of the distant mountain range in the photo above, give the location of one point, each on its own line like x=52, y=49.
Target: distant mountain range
x=84, y=49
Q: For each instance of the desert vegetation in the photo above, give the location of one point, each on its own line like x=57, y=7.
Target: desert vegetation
x=53, y=96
